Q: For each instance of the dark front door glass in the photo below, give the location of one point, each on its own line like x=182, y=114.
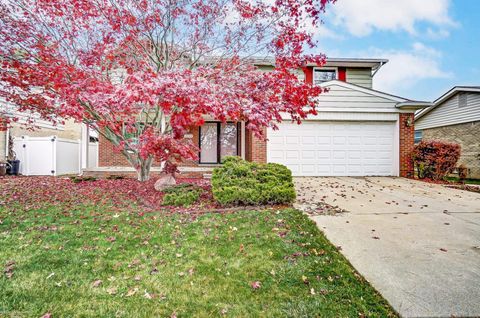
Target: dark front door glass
x=209, y=143
x=217, y=141
x=228, y=140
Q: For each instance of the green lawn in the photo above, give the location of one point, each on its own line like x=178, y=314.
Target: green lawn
x=94, y=263
x=467, y=181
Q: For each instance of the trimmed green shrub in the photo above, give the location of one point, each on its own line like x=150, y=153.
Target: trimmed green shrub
x=239, y=182
x=184, y=194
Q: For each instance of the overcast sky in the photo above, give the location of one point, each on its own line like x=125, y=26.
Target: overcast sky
x=432, y=45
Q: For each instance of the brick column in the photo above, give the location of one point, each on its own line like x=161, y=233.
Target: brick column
x=407, y=135
x=255, y=148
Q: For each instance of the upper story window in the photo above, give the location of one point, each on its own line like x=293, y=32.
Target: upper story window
x=324, y=75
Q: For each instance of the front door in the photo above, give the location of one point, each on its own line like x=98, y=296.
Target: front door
x=218, y=140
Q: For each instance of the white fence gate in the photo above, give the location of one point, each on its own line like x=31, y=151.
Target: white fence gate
x=92, y=155
x=47, y=155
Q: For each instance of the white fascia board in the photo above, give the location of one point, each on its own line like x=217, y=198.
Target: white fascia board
x=413, y=105
x=364, y=90
x=349, y=116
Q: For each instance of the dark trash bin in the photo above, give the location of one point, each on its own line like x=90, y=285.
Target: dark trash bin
x=13, y=167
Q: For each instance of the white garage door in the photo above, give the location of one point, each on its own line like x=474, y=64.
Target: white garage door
x=321, y=148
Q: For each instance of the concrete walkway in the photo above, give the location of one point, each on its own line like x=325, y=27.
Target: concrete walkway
x=418, y=244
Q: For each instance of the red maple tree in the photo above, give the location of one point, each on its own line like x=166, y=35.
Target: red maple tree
x=143, y=72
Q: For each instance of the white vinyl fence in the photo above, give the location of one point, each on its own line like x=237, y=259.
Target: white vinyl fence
x=47, y=155
x=92, y=155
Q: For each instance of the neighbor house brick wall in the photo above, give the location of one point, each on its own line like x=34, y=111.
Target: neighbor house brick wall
x=407, y=134
x=467, y=135
x=256, y=148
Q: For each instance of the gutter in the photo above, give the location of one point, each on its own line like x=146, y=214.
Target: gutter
x=382, y=63
x=413, y=105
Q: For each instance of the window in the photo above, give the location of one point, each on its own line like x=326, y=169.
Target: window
x=418, y=136
x=462, y=99
x=323, y=75
x=218, y=140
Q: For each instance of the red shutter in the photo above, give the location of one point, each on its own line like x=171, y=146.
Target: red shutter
x=308, y=74
x=342, y=74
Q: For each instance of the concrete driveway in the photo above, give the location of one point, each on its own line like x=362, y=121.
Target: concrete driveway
x=418, y=244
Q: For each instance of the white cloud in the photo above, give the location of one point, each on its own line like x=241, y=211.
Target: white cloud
x=361, y=17
x=407, y=67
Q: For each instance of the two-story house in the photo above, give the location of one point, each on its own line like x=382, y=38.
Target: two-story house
x=358, y=131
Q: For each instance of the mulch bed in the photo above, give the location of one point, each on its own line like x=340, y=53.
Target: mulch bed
x=120, y=194
x=128, y=194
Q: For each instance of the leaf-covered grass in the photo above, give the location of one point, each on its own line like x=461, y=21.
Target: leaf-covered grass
x=92, y=263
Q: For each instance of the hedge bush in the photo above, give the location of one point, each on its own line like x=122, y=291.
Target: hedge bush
x=184, y=194
x=435, y=159
x=239, y=182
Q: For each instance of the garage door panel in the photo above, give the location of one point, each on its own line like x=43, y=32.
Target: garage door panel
x=308, y=154
x=277, y=155
x=324, y=148
x=292, y=140
x=292, y=154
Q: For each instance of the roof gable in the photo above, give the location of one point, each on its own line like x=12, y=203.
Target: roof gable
x=445, y=97
x=362, y=91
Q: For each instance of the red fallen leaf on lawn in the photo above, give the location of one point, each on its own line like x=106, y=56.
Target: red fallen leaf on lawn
x=255, y=285
x=96, y=283
x=47, y=315
x=111, y=239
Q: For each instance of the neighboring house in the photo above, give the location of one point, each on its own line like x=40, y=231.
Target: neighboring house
x=454, y=117
x=358, y=131
x=42, y=147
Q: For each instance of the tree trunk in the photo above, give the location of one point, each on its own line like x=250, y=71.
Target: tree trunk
x=143, y=170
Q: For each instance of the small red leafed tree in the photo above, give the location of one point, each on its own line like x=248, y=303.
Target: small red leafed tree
x=435, y=159
x=143, y=72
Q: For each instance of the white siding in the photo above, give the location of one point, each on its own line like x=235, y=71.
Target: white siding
x=343, y=97
x=360, y=76
x=449, y=113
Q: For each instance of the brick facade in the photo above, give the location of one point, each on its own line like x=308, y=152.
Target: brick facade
x=467, y=135
x=407, y=135
x=255, y=148
x=109, y=157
